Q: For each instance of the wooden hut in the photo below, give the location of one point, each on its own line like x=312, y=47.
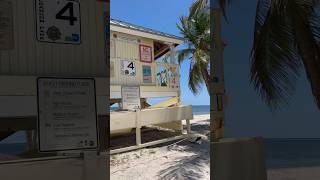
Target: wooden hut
x=143, y=66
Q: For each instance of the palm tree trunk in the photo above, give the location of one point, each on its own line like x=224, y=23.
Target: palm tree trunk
x=207, y=80
x=217, y=91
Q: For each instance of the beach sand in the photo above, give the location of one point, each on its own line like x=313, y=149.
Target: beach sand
x=186, y=161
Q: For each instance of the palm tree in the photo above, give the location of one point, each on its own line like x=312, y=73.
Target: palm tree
x=195, y=30
x=286, y=39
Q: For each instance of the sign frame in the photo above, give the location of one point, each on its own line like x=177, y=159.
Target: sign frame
x=52, y=42
x=7, y=43
x=124, y=66
x=146, y=78
x=123, y=99
x=140, y=52
x=97, y=146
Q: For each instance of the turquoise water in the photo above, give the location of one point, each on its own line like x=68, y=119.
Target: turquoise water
x=201, y=109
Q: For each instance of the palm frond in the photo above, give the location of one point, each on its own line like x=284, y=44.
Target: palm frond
x=307, y=29
x=195, y=78
x=183, y=54
x=275, y=62
x=198, y=7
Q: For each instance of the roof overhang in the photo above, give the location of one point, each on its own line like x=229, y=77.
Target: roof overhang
x=149, y=35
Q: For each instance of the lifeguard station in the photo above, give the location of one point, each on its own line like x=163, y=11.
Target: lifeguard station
x=143, y=66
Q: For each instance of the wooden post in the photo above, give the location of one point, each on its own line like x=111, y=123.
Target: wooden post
x=30, y=140
x=138, y=128
x=188, y=126
x=217, y=76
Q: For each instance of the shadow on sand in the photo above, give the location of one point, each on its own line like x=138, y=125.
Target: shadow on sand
x=192, y=167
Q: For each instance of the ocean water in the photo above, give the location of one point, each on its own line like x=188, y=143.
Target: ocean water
x=197, y=109
x=201, y=109
x=285, y=153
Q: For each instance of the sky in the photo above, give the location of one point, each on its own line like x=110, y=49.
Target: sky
x=163, y=18
x=246, y=113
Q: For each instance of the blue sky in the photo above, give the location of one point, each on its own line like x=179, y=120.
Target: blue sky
x=163, y=16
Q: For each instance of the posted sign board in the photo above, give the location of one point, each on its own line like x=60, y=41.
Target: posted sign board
x=130, y=97
x=6, y=25
x=147, y=78
x=67, y=116
x=128, y=68
x=145, y=53
x=58, y=21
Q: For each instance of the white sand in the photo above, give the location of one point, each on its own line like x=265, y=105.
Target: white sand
x=300, y=173
x=184, y=160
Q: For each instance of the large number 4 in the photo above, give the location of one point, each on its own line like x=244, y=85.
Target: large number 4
x=70, y=18
x=131, y=65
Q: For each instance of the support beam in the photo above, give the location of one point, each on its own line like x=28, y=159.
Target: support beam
x=138, y=128
x=188, y=126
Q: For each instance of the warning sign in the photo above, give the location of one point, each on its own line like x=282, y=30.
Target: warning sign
x=58, y=21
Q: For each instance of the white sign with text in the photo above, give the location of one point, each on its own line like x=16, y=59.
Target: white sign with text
x=130, y=97
x=67, y=116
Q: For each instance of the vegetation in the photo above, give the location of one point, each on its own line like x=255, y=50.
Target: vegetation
x=286, y=40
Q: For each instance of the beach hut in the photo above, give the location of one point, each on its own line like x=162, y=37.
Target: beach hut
x=143, y=66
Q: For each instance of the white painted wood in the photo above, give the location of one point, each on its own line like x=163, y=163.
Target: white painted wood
x=27, y=86
x=138, y=128
x=188, y=126
x=26, y=106
x=131, y=148
x=126, y=119
x=146, y=92
x=125, y=47
x=53, y=169
x=31, y=57
x=144, y=34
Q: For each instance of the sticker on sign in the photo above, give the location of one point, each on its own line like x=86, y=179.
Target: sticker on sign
x=58, y=21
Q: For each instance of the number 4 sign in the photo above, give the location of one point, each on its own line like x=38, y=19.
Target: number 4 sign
x=128, y=68
x=58, y=21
